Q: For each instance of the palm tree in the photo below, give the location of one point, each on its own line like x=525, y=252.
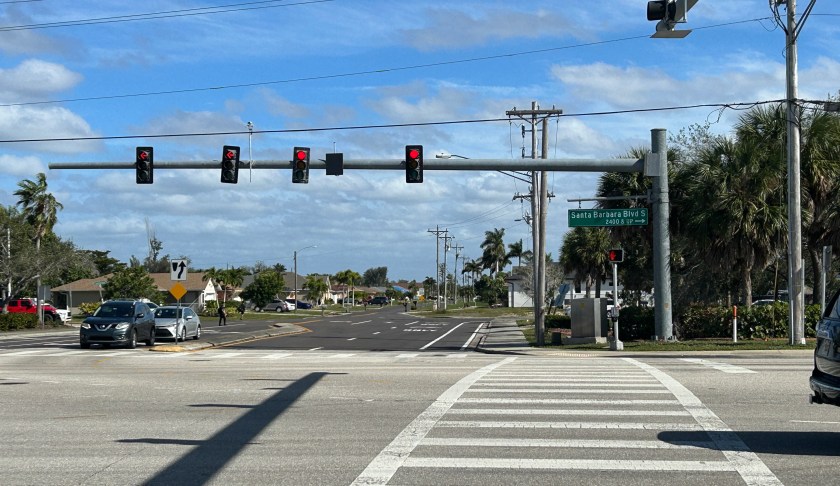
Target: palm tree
x=347, y=277
x=40, y=208
x=733, y=210
x=584, y=254
x=494, y=257
x=765, y=128
x=516, y=251
x=316, y=287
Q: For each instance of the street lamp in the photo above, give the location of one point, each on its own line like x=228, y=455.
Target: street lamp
x=296, y=274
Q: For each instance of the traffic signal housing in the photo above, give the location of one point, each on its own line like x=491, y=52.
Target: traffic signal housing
x=615, y=256
x=144, y=165
x=300, y=165
x=414, y=164
x=230, y=164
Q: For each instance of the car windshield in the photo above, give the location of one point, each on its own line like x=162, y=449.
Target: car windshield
x=166, y=313
x=115, y=310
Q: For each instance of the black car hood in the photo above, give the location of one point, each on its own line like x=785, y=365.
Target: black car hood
x=107, y=320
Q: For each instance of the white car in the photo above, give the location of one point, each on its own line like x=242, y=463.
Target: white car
x=177, y=323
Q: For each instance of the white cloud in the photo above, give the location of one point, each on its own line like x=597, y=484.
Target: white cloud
x=24, y=166
x=34, y=79
x=45, y=122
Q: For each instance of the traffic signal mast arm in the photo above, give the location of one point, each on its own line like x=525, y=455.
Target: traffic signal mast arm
x=576, y=165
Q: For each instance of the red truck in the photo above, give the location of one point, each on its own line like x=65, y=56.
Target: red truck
x=28, y=305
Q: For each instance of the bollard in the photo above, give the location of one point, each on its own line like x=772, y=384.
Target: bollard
x=734, y=323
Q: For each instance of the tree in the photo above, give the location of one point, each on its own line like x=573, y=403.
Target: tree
x=316, y=287
x=347, y=278
x=492, y=289
x=227, y=279
x=19, y=262
x=131, y=283
x=584, y=254
x=265, y=288
x=516, y=251
x=40, y=208
x=733, y=210
x=375, y=277
x=103, y=262
x=494, y=256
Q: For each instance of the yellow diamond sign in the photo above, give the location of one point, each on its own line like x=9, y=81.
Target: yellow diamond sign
x=178, y=290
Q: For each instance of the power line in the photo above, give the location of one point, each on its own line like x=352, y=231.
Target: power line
x=720, y=106
x=166, y=14
x=358, y=73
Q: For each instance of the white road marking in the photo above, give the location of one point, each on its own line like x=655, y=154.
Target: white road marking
x=472, y=336
x=384, y=465
x=726, y=368
x=351, y=339
x=407, y=355
x=484, y=424
x=442, y=336
x=277, y=356
x=568, y=443
x=19, y=353
x=566, y=401
x=597, y=412
x=752, y=470
x=567, y=464
x=569, y=390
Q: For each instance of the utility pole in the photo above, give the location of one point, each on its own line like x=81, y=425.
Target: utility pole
x=446, y=239
x=458, y=249
x=437, y=232
x=539, y=209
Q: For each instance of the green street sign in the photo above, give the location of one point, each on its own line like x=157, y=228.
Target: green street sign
x=608, y=217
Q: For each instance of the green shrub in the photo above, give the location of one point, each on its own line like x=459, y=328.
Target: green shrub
x=700, y=321
x=636, y=322
x=18, y=320
x=88, y=308
x=558, y=321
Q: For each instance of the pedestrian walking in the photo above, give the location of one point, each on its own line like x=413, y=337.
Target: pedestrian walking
x=241, y=310
x=222, y=315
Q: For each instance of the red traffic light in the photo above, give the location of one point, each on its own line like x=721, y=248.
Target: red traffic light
x=413, y=153
x=300, y=155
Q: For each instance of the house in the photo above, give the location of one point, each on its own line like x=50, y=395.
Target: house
x=199, y=291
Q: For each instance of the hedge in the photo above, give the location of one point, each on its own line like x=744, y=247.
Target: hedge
x=18, y=320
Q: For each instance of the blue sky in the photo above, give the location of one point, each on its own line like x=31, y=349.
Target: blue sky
x=342, y=63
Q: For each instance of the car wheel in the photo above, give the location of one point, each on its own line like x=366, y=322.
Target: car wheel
x=84, y=345
x=132, y=340
x=151, y=340
x=183, y=334
x=197, y=332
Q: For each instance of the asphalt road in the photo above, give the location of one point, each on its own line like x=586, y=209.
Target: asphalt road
x=319, y=415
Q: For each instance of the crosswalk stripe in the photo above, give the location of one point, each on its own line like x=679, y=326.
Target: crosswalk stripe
x=573, y=383
x=484, y=424
x=568, y=464
x=567, y=443
x=566, y=401
x=726, y=368
x=568, y=390
x=599, y=412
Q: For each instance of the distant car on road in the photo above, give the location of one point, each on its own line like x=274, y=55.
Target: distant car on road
x=825, y=379
x=379, y=300
x=177, y=323
x=277, y=305
x=296, y=304
x=119, y=322
x=28, y=305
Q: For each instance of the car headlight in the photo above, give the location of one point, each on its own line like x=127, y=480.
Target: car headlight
x=121, y=326
x=85, y=325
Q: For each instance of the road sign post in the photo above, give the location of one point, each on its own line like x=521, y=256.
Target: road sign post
x=615, y=344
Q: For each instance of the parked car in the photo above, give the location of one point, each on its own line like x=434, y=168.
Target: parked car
x=277, y=305
x=28, y=305
x=379, y=300
x=177, y=323
x=825, y=379
x=119, y=322
x=297, y=304
x=290, y=304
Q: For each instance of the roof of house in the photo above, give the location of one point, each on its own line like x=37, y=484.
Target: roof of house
x=195, y=282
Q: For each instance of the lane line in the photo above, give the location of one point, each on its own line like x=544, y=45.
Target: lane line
x=441, y=337
x=472, y=336
x=747, y=463
x=385, y=465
